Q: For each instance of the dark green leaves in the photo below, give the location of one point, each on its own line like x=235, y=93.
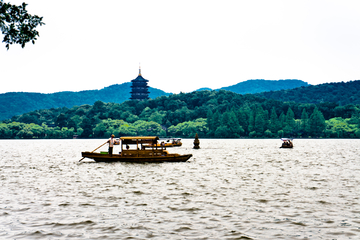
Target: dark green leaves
x=17, y=25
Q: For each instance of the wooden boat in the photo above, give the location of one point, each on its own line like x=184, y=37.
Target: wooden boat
x=176, y=142
x=133, y=150
x=287, y=143
x=173, y=142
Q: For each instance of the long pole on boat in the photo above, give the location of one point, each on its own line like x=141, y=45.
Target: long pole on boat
x=95, y=149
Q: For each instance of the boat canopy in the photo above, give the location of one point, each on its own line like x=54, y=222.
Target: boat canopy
x=286, y=139
x=139, y=140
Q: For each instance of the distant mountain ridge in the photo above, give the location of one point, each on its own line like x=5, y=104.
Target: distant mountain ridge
x=261, y=85
x=16, y=103
x=341, y=93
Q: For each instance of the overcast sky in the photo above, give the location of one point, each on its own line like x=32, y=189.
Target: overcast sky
x=184, y=45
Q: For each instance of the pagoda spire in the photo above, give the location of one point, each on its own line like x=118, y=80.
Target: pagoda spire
x=139, y=70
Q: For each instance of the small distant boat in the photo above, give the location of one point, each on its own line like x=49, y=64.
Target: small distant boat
x=287, y=143
x=133, y=150
x=171, y=142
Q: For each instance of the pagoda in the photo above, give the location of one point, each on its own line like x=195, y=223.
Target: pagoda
x=139, y=88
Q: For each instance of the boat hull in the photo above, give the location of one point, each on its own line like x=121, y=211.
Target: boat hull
x=98, y=157
x=286, y=147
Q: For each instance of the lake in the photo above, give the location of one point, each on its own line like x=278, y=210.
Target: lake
x=229, y=189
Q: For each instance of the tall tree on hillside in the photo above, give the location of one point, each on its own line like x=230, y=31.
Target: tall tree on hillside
x=304, y=127
x=216, y=119
x=290, y=118
x=17, y=25
x=5, y=131
x=274, y=121
x=229, y=126
x=87, y=127
x=259, y=121
x=243, y=115
x=317, y=123
x=222, y=129
x=289, y=122
x=282, y=120
x=99, y=107
x=234, y=125
x=72, y=124
x=251, y=124
x=61, y=120
x=209, y=116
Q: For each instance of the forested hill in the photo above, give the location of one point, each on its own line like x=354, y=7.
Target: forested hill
x=219, y=114
x=342, y=93
x=16, y=103
x=261, y=85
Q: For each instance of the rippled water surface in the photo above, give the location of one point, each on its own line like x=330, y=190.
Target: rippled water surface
x=229, y=189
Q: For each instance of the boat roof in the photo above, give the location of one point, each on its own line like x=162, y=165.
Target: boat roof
x=140, y=139
x=286, y=139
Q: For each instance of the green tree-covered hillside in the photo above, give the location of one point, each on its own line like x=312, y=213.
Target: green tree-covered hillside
x=342, y=93
x=16, y=103
x=214, y=114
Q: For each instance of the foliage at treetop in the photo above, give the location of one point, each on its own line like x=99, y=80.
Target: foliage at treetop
x=212, y=114
x=17, y=25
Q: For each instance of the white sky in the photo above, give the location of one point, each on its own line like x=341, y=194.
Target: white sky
x=184, y=45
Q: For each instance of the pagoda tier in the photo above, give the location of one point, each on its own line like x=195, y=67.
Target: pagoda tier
x=139, y=88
